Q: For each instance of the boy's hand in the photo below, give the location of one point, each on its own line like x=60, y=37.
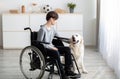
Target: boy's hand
x=54, y=48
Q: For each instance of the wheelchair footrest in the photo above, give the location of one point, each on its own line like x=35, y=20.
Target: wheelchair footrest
x=76, y=76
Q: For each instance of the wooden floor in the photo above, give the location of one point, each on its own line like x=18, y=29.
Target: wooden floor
x=94, y=63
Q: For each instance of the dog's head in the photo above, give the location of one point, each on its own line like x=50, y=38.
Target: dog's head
x=76, y=39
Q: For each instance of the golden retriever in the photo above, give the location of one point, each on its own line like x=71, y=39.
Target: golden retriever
x=77, y=48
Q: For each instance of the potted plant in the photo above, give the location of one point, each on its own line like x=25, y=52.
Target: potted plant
x=71, y=7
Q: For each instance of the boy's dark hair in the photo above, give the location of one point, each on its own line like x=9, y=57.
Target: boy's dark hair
x=51, y=14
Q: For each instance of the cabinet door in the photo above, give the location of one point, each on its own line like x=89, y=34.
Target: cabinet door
x=15, y=22
x=70, y=22
x=36, y=20
x=15, y=40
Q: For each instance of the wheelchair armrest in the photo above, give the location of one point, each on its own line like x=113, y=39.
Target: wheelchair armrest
x=40, y=42
x=61, y=38
x=66, y=40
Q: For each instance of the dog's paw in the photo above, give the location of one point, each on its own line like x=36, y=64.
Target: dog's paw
x=85, y=71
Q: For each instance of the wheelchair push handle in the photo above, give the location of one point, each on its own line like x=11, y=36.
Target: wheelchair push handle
x=28, y=28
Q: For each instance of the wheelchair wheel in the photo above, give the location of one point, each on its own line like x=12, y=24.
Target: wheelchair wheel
x=32, y=63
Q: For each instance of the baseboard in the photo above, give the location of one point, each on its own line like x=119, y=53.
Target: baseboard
x=1, y=47
x=90, y=46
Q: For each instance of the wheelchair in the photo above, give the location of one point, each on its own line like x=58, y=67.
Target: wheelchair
x=34, y=62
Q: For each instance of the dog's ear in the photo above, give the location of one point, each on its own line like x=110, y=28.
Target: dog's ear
x=81, y=41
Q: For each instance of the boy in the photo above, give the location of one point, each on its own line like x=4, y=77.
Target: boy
x=46, y=34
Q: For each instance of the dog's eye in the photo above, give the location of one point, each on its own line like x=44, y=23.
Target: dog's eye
x=77, y=35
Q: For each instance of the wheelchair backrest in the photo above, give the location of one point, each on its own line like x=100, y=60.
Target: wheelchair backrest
x=35, y=43
x=33, y=36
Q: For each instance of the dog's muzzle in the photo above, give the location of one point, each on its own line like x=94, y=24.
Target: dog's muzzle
x=74, y=41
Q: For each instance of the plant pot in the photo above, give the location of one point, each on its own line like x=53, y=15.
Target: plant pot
x=71, y=10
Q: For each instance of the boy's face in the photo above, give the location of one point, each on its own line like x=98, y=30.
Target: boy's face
x=53, y=21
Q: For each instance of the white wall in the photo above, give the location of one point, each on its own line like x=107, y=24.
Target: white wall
x=86, y=7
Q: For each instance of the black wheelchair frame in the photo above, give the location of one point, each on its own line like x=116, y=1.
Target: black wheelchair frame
x=34, y=58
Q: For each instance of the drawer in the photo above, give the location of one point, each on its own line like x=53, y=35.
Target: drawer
x=13, y=40
x=15, y=21
x=70, y=20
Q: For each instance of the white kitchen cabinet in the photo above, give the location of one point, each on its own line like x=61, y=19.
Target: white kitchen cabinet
x=14, y=36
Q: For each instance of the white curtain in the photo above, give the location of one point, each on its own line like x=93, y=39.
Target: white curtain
x=109, y=33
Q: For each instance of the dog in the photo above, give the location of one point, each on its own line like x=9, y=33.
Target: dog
x=77, y=49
